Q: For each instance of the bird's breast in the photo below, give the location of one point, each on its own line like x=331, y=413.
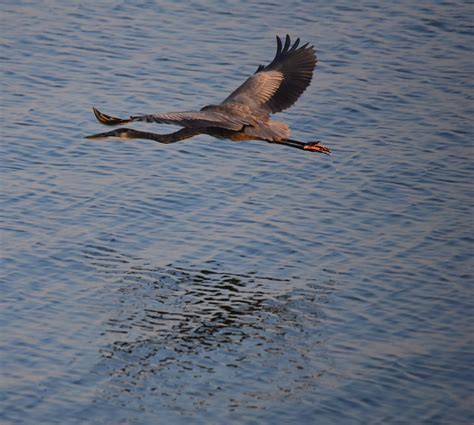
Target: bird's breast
x=224, y=133
x=240, y=135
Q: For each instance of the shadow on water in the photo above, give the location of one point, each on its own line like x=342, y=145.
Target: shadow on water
x=183, y=338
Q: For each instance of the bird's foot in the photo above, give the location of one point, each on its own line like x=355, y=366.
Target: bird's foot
x=317, y=147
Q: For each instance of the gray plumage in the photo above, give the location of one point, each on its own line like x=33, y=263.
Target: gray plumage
x=245, y=113
x=271, y=89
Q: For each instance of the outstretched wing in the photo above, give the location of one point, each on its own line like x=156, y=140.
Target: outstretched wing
x=191, y=119
x=278, y=85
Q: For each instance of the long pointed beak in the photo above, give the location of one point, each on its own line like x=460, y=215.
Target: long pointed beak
x=120, y=133
x=99, y=136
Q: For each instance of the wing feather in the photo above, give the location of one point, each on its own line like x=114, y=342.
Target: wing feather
x=193, y=119
x=257, y=90
x=232, y=116
x=278, y=85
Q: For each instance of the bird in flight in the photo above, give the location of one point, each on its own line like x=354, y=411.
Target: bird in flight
x=245, y=113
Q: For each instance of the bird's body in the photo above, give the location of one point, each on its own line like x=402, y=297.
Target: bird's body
x=245, y=113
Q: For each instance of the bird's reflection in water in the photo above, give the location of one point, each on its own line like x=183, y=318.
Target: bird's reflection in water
x=197, y=336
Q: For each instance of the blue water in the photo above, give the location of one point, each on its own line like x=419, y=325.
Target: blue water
x=213, y=281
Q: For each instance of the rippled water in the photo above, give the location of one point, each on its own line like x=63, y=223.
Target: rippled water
x=224, y=282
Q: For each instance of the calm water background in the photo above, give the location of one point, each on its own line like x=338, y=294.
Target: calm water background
x=236, y=282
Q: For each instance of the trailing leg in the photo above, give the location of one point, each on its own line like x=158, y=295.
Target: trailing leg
x=310, y=146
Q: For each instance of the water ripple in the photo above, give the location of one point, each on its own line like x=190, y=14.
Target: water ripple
x=213, y=281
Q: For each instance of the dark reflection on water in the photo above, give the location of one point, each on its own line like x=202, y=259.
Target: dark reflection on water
x=184, y=339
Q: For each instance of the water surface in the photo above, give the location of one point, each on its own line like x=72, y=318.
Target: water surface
x=236, y=282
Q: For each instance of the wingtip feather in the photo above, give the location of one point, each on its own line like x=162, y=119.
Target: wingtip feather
x=279, y=45
x=287, y=43
x=295, y=45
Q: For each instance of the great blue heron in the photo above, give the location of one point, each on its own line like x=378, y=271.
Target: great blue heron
x=245, y=113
